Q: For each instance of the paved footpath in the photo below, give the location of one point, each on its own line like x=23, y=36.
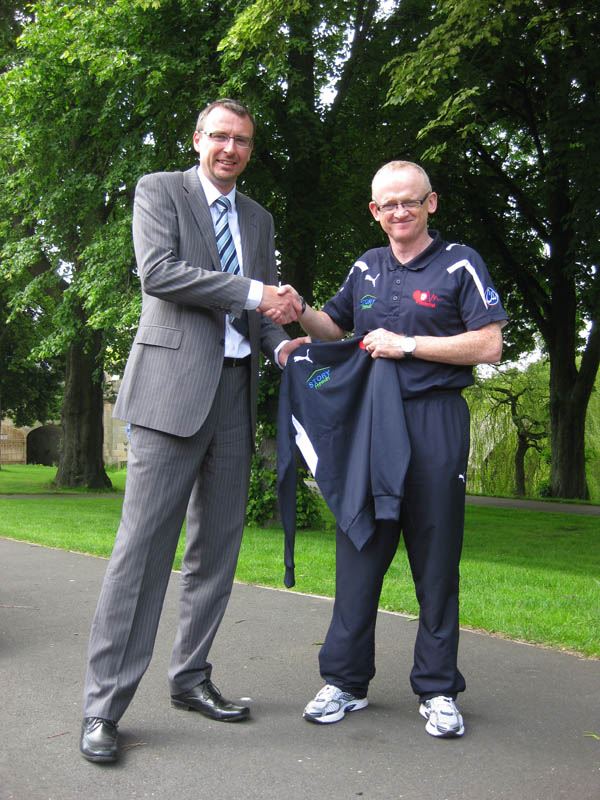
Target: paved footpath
x=527, y=709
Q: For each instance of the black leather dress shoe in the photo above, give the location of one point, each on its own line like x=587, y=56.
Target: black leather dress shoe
x=98, y=739
x=208, y=700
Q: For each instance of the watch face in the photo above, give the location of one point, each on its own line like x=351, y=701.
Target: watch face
x=408, y=344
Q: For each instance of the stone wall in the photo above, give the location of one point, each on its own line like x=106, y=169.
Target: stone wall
x=14, y=450
x=13, y=443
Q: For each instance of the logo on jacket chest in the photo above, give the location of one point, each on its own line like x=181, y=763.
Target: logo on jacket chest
x=318, y=378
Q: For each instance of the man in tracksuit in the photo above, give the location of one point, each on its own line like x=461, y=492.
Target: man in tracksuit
x=431, y=306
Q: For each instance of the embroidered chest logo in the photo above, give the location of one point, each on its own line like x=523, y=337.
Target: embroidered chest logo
x=428, y=299
x=367, y=301
x=318, y=378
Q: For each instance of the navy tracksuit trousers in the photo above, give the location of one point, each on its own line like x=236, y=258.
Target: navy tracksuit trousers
x=432, y=522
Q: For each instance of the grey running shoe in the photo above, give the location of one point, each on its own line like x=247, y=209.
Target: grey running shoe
x=443, y=717
x=331, y=704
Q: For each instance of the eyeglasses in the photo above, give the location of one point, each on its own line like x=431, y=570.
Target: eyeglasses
x=405, y=205
x=222, y=138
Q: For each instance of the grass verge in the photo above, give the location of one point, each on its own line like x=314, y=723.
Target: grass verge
x=524, y=574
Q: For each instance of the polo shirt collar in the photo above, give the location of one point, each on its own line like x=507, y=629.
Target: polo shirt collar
x=423, y=259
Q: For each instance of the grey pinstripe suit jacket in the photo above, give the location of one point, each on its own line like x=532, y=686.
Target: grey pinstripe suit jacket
x=177, y=355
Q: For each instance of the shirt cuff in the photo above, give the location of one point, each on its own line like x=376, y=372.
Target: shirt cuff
x=254, y=295
x=276, y=352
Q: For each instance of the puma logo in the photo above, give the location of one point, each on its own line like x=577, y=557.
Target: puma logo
x=304, y=358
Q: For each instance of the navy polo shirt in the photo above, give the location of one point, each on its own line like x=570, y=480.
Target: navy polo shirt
x=444, y=291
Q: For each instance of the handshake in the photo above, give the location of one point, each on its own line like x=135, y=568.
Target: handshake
x=282, y=304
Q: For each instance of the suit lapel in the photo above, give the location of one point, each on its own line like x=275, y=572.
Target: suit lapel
x=196, y=199
x=248, y=233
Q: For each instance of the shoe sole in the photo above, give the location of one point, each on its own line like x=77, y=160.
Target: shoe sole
x=100, y=759
x=186, y=707
x=329, y=718
x=433, y=731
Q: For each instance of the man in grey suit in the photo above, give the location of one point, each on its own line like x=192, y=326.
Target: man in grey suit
x=206, y=261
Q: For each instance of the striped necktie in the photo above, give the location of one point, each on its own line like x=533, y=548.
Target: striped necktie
x=228, y=256
x=225, y=245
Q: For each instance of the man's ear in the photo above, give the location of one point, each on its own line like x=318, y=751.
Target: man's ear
x=374, y=210
x=196, y=141
x=432, y=203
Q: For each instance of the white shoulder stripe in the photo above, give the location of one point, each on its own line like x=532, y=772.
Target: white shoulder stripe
x=305, y=446
x=473, y=273
x=357, y=265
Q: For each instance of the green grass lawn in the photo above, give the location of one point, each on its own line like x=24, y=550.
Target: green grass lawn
x=524, y=574
x=35, y=479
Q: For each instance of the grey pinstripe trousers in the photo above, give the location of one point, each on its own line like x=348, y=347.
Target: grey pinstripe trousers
x=207, y=475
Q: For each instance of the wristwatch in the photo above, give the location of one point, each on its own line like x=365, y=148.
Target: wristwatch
x=303, y=304
x=407, y=345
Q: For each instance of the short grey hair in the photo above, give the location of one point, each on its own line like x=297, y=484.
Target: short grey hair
x=396, y=166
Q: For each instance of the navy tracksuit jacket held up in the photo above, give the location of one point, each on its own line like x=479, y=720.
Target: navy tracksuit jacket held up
x=344, y=411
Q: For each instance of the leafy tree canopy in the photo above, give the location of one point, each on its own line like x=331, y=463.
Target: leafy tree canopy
x=509, y=97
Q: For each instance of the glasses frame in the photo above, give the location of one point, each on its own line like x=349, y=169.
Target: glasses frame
x=386, y=208
x=245, y=143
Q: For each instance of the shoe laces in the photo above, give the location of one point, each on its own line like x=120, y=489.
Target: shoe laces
x=210, y=685
x=328, y=692
x=443, y=705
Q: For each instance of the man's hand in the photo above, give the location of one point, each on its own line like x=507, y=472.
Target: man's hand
x=288, y=348
x=483, y=346
x=383, y=344
x=282, y=304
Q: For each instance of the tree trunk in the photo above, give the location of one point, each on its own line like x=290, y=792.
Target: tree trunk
x=81, y=462
x=567, y=415
x=520, y=453
x=570, y=387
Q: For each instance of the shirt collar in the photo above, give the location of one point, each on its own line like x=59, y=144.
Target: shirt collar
x=211, y=191
x=420, y=261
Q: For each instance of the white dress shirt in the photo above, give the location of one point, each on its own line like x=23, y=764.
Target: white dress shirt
x=236, y=345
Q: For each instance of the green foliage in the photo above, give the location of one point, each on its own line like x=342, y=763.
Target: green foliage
x=508, y=98
x=262, y=493
x=494, y=432
x=96, y=95
x=592, y=443
x=29, y=386
x=262, y=508
x=84, y=115
x=510, y=427
x=499, y=98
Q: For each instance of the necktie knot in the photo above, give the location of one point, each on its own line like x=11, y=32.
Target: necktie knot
x=225, y=244
x=223, y=204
